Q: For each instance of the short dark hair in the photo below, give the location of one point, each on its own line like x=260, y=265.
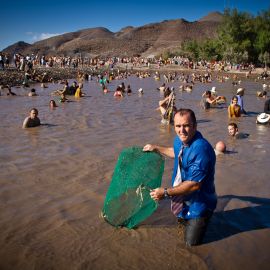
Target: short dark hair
x=35, y=110
x=189, y=112
x=208, y=92
x=233, y=125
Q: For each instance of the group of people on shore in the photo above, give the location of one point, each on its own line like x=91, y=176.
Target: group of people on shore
x=21, y=61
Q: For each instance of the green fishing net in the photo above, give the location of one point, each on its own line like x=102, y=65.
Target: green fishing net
x=128, y=201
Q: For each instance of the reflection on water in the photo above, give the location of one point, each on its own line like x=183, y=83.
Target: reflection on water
x=54, y=179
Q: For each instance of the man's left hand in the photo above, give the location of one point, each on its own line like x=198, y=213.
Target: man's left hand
x=157, y=194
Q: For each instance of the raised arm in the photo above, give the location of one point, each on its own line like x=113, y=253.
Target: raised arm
x=212, y=101
x=161, y=102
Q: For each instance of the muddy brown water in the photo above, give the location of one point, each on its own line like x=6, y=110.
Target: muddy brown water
x=54, y=178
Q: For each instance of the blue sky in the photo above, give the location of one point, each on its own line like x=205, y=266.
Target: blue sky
x=33, y=20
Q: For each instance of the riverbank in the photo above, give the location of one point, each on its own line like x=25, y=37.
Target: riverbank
x=14, y=77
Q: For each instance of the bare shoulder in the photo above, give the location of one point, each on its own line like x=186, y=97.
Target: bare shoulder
x=28, y=122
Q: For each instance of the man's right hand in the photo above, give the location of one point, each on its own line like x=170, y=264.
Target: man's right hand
x=149, y=147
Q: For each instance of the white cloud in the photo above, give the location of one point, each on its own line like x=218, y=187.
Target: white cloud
x=37, y=36
x=48, y=35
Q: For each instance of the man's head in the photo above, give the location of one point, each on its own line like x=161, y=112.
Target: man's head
x=220, y=147
x=185, y=125
x=232, y=129
x=33, y=113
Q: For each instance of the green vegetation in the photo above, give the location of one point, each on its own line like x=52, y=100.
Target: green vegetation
x=241, y=38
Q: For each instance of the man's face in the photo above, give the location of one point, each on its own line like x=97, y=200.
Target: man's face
x=33, y=114
x=232, y=130
x=184, y=127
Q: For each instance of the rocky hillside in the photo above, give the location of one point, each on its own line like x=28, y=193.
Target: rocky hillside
x=146, y=40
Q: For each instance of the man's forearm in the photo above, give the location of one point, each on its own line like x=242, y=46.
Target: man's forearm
x=167, y=151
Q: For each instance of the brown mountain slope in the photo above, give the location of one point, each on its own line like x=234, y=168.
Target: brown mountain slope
x=212, y=17
x=148, y=39
x=17, y=47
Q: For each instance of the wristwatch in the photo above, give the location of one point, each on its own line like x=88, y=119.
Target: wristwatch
x=166, y=195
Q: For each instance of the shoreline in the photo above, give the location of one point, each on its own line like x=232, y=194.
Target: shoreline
x=13, y=77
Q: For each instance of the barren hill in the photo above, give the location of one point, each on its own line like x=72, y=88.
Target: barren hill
x=148, y=39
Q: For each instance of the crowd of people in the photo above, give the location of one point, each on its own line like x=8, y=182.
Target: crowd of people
x=79, y=61
x=192, y=193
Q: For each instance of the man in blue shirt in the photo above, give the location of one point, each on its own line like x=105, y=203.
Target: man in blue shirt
x=193, y=191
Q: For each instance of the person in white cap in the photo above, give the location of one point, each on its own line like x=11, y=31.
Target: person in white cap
x=209, y=99
x=240, y=93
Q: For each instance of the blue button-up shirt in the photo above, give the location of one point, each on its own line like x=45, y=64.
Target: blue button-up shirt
x=198, y=164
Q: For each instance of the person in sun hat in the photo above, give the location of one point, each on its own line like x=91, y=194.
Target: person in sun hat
x=262, y=94
x=221, y=99
x=263, y=118
x=240, y=95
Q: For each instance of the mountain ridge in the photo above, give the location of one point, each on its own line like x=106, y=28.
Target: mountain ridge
x=152, y=38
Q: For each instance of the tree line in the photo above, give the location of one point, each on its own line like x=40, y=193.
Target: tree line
x=241, y=38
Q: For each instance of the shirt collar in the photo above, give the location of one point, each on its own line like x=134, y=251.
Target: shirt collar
x=197, y=135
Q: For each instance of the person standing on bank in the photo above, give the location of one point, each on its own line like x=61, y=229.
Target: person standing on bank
x=193, y=196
